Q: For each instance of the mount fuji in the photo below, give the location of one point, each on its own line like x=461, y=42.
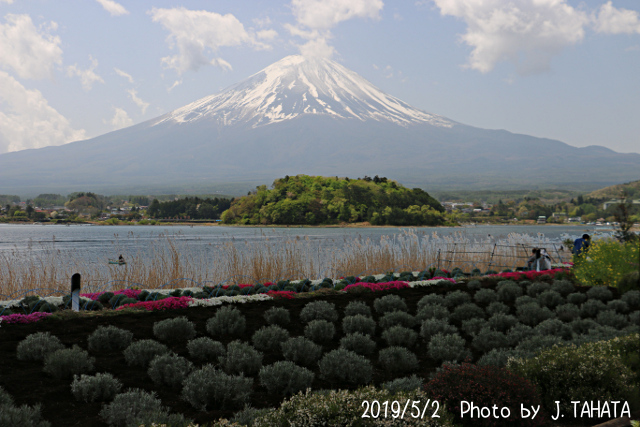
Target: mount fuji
x=310, y=116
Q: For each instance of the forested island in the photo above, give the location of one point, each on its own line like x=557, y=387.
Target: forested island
x=317, y=200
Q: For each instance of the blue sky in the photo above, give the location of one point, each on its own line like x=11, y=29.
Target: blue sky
x=562, y=69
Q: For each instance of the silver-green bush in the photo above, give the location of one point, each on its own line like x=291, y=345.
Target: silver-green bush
x=357, y=307
x=397, y=360
x=358, y=343
x=126, y=408
x=498, y=357
x=473, y=326
x=140, y=353
x=550, y=299
x=456, y=298
x=400, y=336
x=320, y=331
x=247, y=415
x=169, y=369
x=532, y=314
x=467, y=311
x=228, y=321
x=485, y=296
x=600, y=293
x=285, y=378
x=23, y=416
x=241, y=358
x=175, y=329
x=95, y=388
x=518, y=333
x=447, y=347
x=342, y=365
x=432, y=327
x=210, y=387
x=502, y=322
x=358, y=323
x=430, y=299
x=488, y=339
x=301, y=351
x=277, y=316
x=613, y=319
x=536, y=343
x=537, y=288
x=583, y=326
x=389, y=303
x=411, y=383
x=269, y=338
x=618, y=306
x=576, y=298
x=37, y=346
x=397, y=318
x=68, y=362
x=508, y=291
x=205, y=349
x=632, y=298
x=319, y=310
x=592, y=307
x=109, y=338
x=554, y=327
x=567, y=312
x=497, y=307
x=563, y=287
x=432, y=312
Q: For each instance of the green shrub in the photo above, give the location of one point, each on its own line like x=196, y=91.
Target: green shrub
x=269, y=338
x=473, y=326
x=576, y=298
x=485, y=296
x=628, y=283
x=176, y=329
x=432, y=327
x=474, y=285
x=432, y=312
x=567, y=312
x=489, y=385
x=320, y=331
x=613, y=319
x=467, y=311
x=411, y=383
x=95, y=388
x=591, y=308
x=497, y=307
x=456, y=298
x=5, y=398
x=583, y=326
x=109, y=338
x=246, y=416
x=344, y=408
x=209, y=387
x=508, y=291
x=358, y=343
x=228, y=321
x=537, y=343
x=600, y=293
x=205, y=349
x=447, y=347
x=133, y=407
x=519, y=333
x=525, y=299
x=397, y=318
x=23, y=416
x=37, y=346
x=430, y=299
x=105, y=297
x=488, y=339
x=344, y=366
x=241, y=358
x=608, y=262
x=603, y=375
x=502, y=322
x=389, y=303
x=532, y=314
x=169, y=369
x=634, y=318
x=554, y=327
x=277, y=316
x=563, y=287
x=397, y=360
x=285, y=378
x=537, y=288
x=619, y=306
x=68, y=362
x=498, y=357
x=301, y=351
x=140, y=353
x=550, y=299
x=319, y=310
x=357, y=307
x=358, y=323
x=400, y=336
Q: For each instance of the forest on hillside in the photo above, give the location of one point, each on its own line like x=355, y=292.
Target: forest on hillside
x=315, y=200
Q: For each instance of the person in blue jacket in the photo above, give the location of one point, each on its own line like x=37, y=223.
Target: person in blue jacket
x=581, y=245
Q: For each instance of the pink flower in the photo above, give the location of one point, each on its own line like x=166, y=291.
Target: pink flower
x=129, y=293
x=163, y=304
x=379, y=286
x=24, y=318
x=282, y=294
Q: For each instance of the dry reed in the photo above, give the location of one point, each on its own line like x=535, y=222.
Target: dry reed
x=171, y=262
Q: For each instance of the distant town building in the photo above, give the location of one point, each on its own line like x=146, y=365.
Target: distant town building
x=605, y=205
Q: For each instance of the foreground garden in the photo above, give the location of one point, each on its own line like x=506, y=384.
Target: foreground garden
x=329, y=352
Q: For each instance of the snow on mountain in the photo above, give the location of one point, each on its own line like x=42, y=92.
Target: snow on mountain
x=296, y=86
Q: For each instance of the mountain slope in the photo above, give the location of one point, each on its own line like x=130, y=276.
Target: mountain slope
x=301, y=116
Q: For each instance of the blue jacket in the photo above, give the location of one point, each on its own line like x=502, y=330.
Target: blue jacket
x=580, y=245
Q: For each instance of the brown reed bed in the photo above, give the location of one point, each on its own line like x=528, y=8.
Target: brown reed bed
x=170, y=262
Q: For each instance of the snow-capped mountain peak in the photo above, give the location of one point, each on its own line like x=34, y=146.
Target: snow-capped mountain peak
x=296, y=86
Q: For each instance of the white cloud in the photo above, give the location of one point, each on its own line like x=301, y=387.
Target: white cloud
x=29, y=51
x=315, y=19
x=115, y=9
x=88, y=77
x=139, y=102
x=527, y=33
x=120, y=119
x=610, y=20
x=195, y=32
x=6, y=1
x=28, y=121
x=123, y=74
x=267, y=34
x=174, y=85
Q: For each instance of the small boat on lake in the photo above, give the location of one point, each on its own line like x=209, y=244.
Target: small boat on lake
x=117, y=261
